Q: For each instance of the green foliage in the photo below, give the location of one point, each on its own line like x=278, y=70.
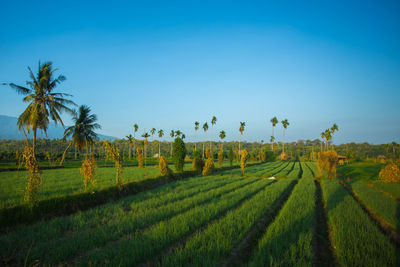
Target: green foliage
x=231, y=156
x=179, y=153
x=220, y=158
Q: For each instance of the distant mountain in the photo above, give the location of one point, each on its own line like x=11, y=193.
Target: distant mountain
x=9, y=130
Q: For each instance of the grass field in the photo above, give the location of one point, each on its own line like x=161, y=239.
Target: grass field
x=66, y=181
x=220, y=220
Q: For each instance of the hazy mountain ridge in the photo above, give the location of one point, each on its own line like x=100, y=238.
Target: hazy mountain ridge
x=9, y=130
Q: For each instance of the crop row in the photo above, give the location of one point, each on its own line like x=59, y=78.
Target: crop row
x=90, y=231
x=288, y=240
x=283, y=172
x=356, y=239
x=391, y=189
x=383, y=206
x=137, y=247
x=211, y=246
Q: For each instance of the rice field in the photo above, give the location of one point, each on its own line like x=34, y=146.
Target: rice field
x=225, y=219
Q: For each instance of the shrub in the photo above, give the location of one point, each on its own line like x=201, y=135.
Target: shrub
x=208, y=167
x=208, y=153
x=35, y=176
x=87, y=170
x=230, y=156
x=390, y=173
x=198, y=162
x=113, y=153
x=244, y=156
x=179, y=153
x=220, y=158
x=327, y=163
x=164, y=169
x=237, y=156
x=139, y=157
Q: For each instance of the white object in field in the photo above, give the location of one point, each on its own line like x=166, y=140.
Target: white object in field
x=271, y=178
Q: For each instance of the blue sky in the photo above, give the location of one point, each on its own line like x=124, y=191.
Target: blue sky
x=166, y=64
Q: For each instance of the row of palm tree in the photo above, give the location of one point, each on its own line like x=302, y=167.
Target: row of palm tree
x=327, y=135
x=285, y=124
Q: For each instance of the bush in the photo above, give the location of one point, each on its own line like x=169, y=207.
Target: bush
x=178, y=154
x=244, y=156
x=208, y=153
x=327, y=163
x=230, y=156
x=390, y=173
x=208, y=167
x=164, y=169
x=139, y=157
x=220, y=158
x=198, y=162
x=87, y=170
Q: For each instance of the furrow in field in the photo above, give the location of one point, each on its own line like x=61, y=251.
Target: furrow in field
x=138, y=247
x=288, y=239
x=66, y=246
x=211, y=246
x=322, y=248
x=356, y=239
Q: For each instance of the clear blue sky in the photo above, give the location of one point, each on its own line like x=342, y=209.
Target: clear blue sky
x=166, y=64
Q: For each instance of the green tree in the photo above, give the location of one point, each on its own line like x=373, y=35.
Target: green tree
x=152, y=131
x=285, y=124
x=205, y=128
x=196, y=128
x=44, y=103
x=160, y=135
x=83, y=130
x=145, y=136
x=135, y=129
x=241, y=130
x=334, y=129
x=213, y=122
x=172, y=134
x=274, y=122
x=222, y=135
x=130, y=142
x=230, y=156
x=179, y=153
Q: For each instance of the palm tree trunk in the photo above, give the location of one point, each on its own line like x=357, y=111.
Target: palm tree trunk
x=159, y=149
x=130, y=151
x=65, y=151
x=34, y=140
x=203, y=150
x=171, y=149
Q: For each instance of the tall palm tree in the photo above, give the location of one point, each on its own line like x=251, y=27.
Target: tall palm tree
x=274, y=122
x=152, y=131
x=205, y=128
x=172, y=134
x=334, y=129
x=135, y=129
x=285, y=124
x=130, y=142
x=241, y=130
x=160, y=135
x=44, y=103
x=145, y=136
x=222, y=135
x=213, y=122
x=82, y=131
x=196, y=127
x=322, y=138
x=272, y=139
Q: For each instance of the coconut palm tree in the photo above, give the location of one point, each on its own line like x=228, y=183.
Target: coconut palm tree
x=196, y=127
x=130, y=142
x=285, y=124
x=44, y=103
x=152, y=131
x=183, y=136
x=145, y=136
x=205, y=128
x=213, y=122
x=178, y=133
x=160, y=135
x=82, y=131
x=135, y=129
x=334, y=129
x=241, y=130
x=222, y=135
x=172, y=134
x=274, y=122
